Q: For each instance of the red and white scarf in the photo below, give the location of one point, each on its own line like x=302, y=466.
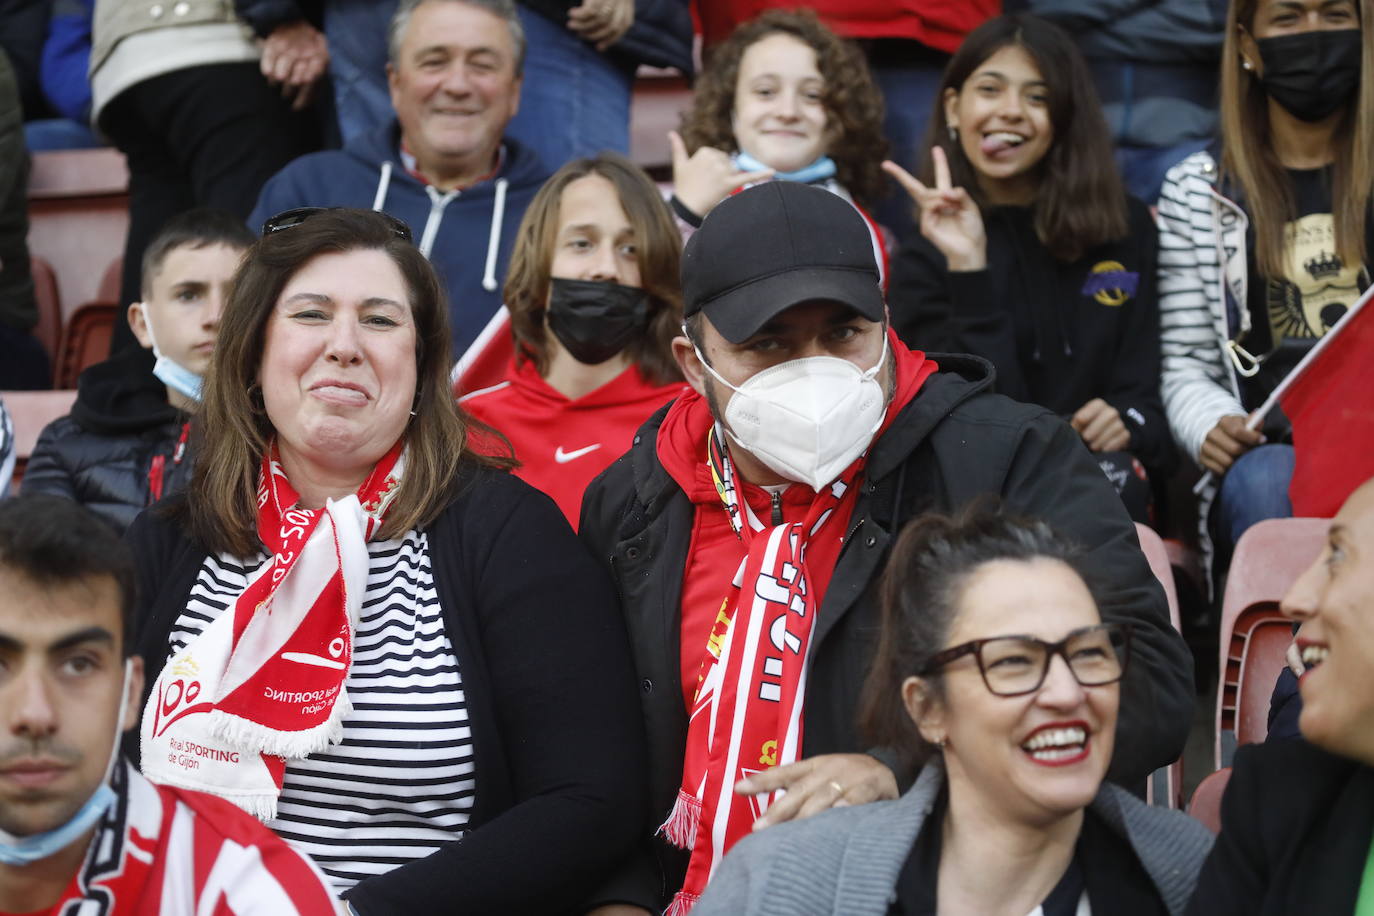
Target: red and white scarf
x=747, y=714
x=159, y=851
x=265, y=682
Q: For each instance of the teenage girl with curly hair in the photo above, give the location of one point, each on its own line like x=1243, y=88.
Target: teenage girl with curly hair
x=786, y=98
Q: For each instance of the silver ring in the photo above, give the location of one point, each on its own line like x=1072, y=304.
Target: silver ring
x=839, y=789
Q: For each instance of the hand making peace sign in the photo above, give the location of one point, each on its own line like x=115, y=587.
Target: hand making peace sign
x=949, y=218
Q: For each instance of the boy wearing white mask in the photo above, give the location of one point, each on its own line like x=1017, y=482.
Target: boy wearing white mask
x=748, y=525
x=81, y=831
x=124, y=445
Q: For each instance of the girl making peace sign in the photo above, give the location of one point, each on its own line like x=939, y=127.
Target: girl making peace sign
x=1031, y=254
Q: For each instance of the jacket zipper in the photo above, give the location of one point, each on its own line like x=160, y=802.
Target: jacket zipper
x=777, y=508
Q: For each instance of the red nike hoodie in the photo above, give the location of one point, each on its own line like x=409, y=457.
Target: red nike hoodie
x=562, y=443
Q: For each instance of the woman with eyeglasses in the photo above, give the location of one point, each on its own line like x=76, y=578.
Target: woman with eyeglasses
x=995, y=671
x=392, y=651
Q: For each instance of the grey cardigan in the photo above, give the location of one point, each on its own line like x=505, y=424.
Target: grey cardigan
x=846, y=861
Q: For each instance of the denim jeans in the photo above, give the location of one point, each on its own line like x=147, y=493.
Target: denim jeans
x=1255, y=488
x=356, y=32
x=59, y=133
x=908, y=99
x=574, y=101
x=1143, y=167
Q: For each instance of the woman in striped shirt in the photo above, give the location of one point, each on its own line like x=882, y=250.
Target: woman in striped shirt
x=392, y=651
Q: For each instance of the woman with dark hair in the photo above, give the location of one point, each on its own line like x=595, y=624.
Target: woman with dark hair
x=1265, y=243
x=594, y=305
x=993, y=669
x=785, y=98
x=365, y=633
x=1031, y=254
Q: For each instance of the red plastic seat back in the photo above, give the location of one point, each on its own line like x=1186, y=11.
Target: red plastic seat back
x=1206, y=802
x=85, y=341
x=1254, y=635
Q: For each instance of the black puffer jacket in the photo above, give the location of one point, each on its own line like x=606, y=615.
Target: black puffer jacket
x=953, y=443
x=102, y=452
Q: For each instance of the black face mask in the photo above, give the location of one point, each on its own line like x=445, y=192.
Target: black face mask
x=1311, y=74
x=595, y=320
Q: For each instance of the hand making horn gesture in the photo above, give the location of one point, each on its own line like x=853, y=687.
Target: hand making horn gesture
x=706, y=177
x=949, y=218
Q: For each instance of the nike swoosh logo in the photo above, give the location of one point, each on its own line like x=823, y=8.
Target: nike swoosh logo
x=563, y=457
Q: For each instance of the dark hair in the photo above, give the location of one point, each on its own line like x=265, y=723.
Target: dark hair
x=1248, y=157
x=501, y=9
x=1081, y=202
x=193, y=229
x=659, y=247
x=852, y=100
x=234, y=429
x=932, y=562
x=53, y=541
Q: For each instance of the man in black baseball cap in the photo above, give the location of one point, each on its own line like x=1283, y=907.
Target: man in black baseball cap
x=748, y=525
x=777, y=246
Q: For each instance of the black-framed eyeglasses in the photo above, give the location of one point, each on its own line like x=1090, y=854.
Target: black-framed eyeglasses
x=1015, y=665
x=289, y=219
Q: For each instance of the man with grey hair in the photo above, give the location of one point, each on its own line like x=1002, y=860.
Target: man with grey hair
x=444, y=165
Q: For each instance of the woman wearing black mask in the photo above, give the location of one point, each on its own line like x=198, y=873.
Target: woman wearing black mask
x=594, y=305
x=1266, y=241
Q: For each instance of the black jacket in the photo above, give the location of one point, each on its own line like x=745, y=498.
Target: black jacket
x=1056, y=338
x=953, y=443
x=558, y=750
x=101, y=453
x=1296, y=824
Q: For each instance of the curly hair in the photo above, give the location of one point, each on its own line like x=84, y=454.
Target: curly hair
x=852, y=100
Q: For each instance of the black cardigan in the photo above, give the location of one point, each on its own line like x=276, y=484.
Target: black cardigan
x=557, y=740
x=1296, y=824
x=1056, y=335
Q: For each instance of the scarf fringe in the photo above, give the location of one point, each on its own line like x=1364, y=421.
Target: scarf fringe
x=682, y=904
x=245, y=733
x=262, y=806
x=680, y=828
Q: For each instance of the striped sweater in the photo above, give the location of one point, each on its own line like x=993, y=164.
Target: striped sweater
x=1202, y=300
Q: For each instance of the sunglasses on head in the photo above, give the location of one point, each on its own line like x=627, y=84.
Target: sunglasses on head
x=289, y=219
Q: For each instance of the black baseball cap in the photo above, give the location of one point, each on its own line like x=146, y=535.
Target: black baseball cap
x=773, y=246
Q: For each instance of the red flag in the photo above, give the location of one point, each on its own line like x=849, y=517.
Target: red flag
x=487, y=361
x=1329, y=398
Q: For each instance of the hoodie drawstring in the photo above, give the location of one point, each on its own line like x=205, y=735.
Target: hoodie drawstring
x=498, y=217
x=437, y=202
x=382, y=184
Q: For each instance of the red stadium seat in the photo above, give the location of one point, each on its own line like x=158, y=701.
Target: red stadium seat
x=78, y=217
x=85, y=341
x=1254, y=635
x=30, y=411
x=49, y=327
x=1166, y=784
x=1206, y=802
x=110, y=281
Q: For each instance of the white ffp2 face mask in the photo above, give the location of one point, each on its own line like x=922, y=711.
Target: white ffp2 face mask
x=806, y=419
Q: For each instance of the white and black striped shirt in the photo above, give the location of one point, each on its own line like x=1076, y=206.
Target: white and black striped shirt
x=401, y=782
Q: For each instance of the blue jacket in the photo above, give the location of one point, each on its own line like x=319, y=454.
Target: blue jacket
x=456, y=231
